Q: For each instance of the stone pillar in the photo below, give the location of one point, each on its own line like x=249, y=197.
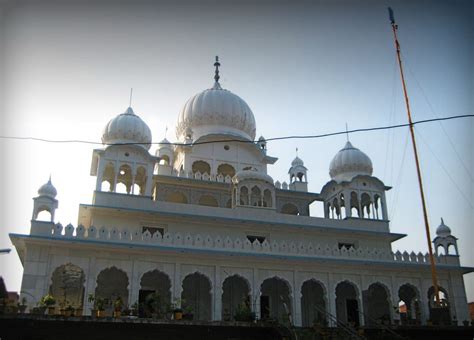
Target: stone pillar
x=177, y=286
x=134, y=285
x=296, y=301
x=100, y=174
x=457, y=298
x=217, y=294
x=424, y=309
x=90, y=285
x=255, y=294
x=347, y=203
x=384, y=207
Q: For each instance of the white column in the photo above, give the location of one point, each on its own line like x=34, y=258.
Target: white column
x=100, y=174
x=296, y=301
x=177, y=286
x=134, y=285
x=217, y=294
x=255, y=294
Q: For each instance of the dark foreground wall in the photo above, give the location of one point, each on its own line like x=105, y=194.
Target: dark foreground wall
x=47, y=328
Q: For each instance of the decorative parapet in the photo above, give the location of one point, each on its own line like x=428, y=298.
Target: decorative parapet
x=239, y=244
x=217, y=178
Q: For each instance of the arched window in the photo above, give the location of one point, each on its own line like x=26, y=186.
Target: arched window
x=235, y=294
x=255, y=197
x=44, y=215
x=226, y=169
x=267, y=198
x=125, y=175
x=275, y=300
x=290, y=209
x=313, y=304
x=158, y=282
x=377, y=305
x=347, y=304
x=176, y=197
x=165, y=160
x=106, y=186
x=355, y=205
x=409, y=305
x=140, y=180
x=112, y=283
x=202, y=167
x=109, y=176
x=366, y=202
x=196, y=295
x=244, y=196
x=67, y=285
x=208, y=201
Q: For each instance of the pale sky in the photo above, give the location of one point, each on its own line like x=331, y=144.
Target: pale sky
x=66, y=69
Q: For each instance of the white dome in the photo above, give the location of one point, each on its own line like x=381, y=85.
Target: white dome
x=216, y=111
x=252, y=174
x=297, y=162
x=48, y=190
x=443, y=230
x=348, y=163
x=127, y=128
x=164, y=143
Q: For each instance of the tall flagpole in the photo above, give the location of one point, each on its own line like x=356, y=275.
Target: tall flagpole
x=434, y=276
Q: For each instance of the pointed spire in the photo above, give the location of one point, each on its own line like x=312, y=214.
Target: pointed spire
x=297, y=152
x=217, y=64
x=442, y=221
x=131, y=95
x=347, y=133
x=49, y=180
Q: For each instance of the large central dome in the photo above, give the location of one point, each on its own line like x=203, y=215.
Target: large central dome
x=216, y=111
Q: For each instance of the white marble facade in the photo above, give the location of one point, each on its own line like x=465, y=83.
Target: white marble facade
x=206, y=205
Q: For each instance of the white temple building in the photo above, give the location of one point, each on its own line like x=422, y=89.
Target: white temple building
x=201, y=221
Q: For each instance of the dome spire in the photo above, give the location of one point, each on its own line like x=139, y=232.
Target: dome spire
x=131, y=95
x=217, y=64
x=347, y=133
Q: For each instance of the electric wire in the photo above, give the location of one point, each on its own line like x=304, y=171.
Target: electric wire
x=329, y=134
x=440, y=124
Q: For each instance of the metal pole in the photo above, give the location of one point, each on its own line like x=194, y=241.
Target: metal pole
x=434, y=276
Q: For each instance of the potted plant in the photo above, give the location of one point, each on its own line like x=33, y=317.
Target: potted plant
x=244, y=313
x=22, y=305
x=48, y=301
x=152, y=301
x=188, y=313
x=69, y=311
x=100, y=306
x=91, y=300
x=118, y=304
x=176, y=309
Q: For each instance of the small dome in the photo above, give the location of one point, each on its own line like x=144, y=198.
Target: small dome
x=251, y=174
x=216, y=111
x=297, y=161
x=348, y=163
x=443, y=230
x=48, y=190
x=164, y=143
x=127, y=128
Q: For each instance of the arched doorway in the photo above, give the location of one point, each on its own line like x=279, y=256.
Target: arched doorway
x=439, y=313
x=67, y=286
x=313, y=304
x=376, y=304
x=275, y=301
x=112, y=283
x=235, y=292
x=196, y=296
x=347, y=304
x=409, y=305
x=158, y=282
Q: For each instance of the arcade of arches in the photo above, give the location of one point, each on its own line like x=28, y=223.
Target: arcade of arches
x=274, y=299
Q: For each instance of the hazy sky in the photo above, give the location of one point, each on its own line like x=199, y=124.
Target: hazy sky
x=66, y=69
